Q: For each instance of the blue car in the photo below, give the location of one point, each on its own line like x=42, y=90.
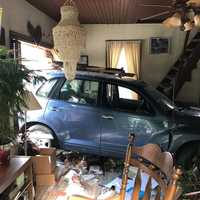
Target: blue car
x=95, y=113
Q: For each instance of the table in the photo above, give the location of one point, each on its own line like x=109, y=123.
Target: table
x=8, y=175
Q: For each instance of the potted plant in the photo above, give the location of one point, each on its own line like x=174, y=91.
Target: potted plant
x=12, y=90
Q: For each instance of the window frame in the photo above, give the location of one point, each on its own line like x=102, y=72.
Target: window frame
x=57, y=96
x=130, y=87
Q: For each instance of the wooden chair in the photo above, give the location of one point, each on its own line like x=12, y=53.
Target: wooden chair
x=157, y=164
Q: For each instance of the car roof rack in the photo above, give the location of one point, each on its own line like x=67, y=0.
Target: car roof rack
x=111, y=71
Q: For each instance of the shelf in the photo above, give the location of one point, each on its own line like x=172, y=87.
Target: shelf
x=22, y=190
x=9, y=174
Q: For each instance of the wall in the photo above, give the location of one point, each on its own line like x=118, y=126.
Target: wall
x=153, y=67
x=191, y=90
x=16, y=14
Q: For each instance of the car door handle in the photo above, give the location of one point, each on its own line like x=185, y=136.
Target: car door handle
x=107, y=117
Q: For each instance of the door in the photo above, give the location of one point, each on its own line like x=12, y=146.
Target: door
x=126, y=111
x=76, y=115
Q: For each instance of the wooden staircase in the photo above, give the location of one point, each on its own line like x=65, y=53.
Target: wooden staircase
x=181, y=71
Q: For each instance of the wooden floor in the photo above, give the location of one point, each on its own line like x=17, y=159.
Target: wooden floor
x=51, y=192
x=42, y=193
x=48, y=193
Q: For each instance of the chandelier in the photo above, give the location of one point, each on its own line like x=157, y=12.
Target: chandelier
x=69, y=38
x=186, y=16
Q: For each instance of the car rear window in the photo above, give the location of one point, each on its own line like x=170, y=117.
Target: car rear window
x=46, y=88
x=80, y=92
x=127, y=100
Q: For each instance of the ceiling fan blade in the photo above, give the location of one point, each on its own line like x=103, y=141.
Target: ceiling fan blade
x=154, y=5
x=156, y=15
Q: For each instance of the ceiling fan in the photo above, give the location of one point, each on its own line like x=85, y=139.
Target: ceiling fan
x=182, y=13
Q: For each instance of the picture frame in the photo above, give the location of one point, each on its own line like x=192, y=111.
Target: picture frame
x=159, y=45
x=83, y=60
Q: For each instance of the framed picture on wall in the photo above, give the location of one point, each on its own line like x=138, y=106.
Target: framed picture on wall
x=83, y=60
x=159, y=45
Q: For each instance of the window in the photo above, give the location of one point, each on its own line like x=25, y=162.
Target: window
x=125, y=99
x=80, y=91
x=46, y=88
x=122, y=61
x=36, y=57
x=124, y=54
x=127, y=93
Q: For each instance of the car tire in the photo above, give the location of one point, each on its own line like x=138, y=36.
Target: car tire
x=42, y=136
x=187, y=156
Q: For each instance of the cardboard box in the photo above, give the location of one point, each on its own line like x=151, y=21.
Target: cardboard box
x=45, y=163
x=45, y=180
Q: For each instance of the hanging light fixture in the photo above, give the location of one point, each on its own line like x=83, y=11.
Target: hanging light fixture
x=69, y=38
x=186, y=16
x=187, y=21
x=188, y=26
x=173, y=21
x=193, y=3
x=197, y=20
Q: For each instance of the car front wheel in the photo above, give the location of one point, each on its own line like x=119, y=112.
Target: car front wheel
x=41, y=136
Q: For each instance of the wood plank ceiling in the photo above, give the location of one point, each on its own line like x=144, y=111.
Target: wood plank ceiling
x=107, y=11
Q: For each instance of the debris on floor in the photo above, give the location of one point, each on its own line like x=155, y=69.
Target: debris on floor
x=90, y=176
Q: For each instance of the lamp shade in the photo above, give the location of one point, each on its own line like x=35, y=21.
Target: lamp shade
x=31, y=102
x=194, y=3
x=173, y=21
x=69, y=38
x=188, y=26
x=197, y=20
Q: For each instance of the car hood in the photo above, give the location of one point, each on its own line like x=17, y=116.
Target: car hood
x=189, y=115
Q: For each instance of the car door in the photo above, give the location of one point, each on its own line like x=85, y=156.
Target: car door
x=76, y=115
x=126, y=111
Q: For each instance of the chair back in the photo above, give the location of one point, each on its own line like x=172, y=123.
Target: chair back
x=156, y=165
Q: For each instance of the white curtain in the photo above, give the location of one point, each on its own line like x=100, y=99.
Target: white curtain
x=113, y=51
x=1, y=15
x=132, y=52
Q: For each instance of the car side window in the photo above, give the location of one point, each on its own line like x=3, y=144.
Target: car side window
x=80, y=91
x=125, y=99
x=46, y=88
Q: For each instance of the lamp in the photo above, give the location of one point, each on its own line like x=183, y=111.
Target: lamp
x=31, y=104
x=186, y=17
x=69, y=38
x=188, y=26
x=197, y=20
x=193, y=3
x=173, y=21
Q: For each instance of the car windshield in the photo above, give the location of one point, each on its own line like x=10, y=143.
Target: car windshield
x=160, y=98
